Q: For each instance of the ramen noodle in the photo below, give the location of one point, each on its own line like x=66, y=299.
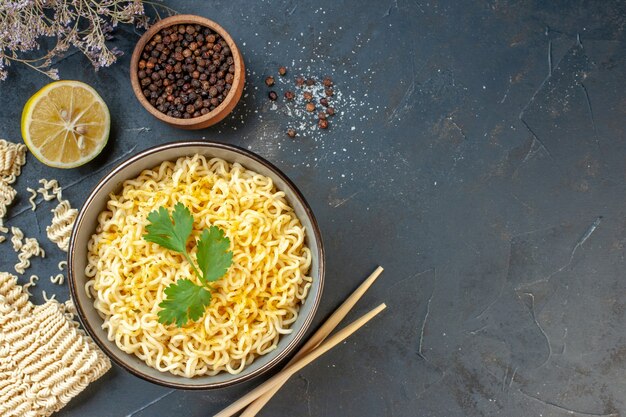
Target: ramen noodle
x=31, y=199
x=50, y=185
x=12, y=157
x=252, y=305
x=28, y=249
x=63, y=219
x=57, y=279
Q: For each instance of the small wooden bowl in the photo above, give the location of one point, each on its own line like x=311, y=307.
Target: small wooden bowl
x=215, y=115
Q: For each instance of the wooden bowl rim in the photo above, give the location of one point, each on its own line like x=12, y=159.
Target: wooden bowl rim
x=175, y=20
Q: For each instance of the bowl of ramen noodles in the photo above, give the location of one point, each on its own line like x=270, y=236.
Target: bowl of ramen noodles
x=196, y=265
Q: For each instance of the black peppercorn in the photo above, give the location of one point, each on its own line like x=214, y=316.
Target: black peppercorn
x=330, y=111
x=273, y=96
x=186, y=70
x=289, y=95
x=299, y=81
x=324, y=101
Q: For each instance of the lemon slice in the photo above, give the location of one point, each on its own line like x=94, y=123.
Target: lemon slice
x=65, y=124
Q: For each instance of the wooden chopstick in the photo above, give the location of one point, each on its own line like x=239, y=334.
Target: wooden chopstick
x=284, y=375
x=319, y=336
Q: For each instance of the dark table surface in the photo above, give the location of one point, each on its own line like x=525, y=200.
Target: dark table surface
x=479, y=155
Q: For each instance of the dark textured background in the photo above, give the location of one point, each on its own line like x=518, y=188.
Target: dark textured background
x=480, y=159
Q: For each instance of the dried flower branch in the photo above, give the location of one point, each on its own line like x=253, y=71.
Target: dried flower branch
x=84, y=24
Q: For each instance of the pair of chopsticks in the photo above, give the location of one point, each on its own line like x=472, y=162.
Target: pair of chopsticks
x=313, y=349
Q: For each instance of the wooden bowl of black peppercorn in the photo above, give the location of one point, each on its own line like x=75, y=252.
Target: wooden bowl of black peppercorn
x=187, y=71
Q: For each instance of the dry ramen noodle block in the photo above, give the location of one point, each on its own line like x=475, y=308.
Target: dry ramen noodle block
x=7, y=194
x=60, y=230
x=17, y=240
x=27, y=249
x=12, y=157
x=252, y=305
x=64, y=215
x=45, y=359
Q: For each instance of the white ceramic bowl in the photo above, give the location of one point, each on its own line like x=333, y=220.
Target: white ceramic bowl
x=85, y=226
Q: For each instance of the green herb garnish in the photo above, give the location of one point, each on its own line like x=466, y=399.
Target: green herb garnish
x=186, y=300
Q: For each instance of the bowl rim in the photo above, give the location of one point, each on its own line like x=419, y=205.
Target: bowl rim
x=175, y=20
x=236, y=378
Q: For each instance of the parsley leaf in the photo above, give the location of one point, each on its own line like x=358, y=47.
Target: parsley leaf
x=170, y=233
x=185, y=301
x=214, y=258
